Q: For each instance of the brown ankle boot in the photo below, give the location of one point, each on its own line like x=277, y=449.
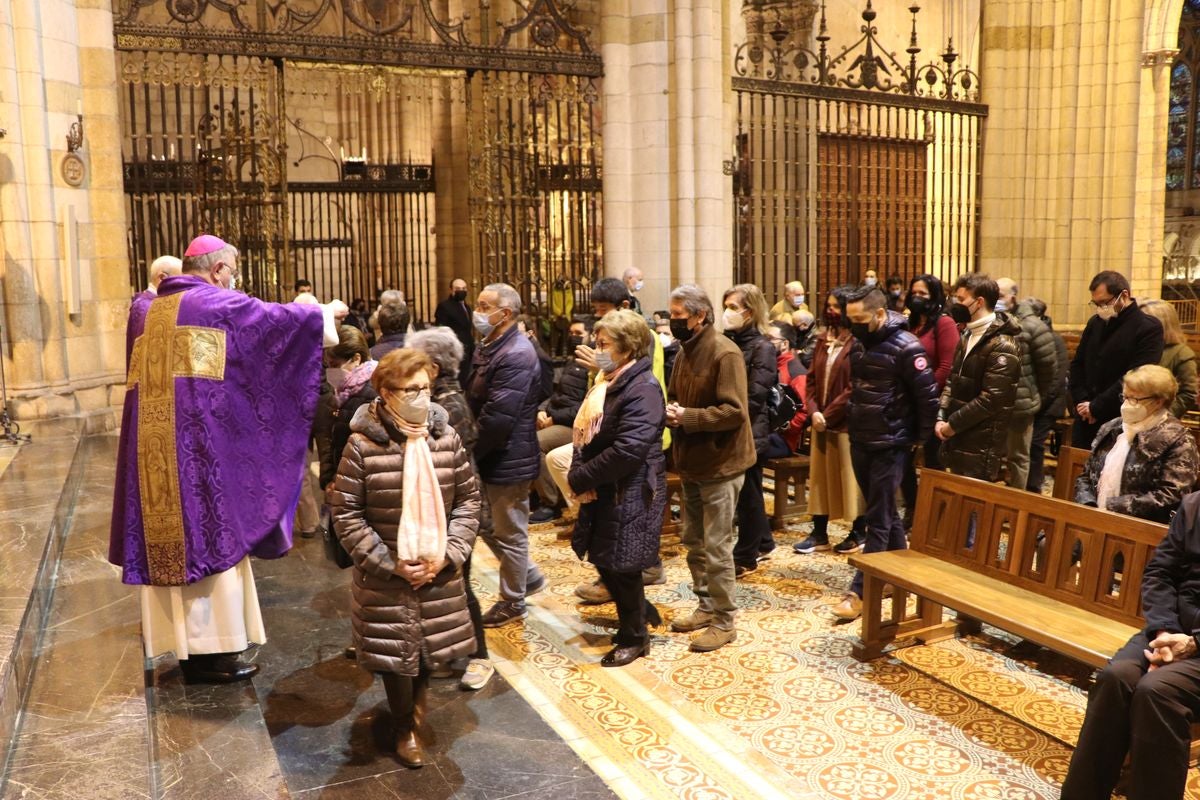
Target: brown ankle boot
x=401, y=701
x=409, y=749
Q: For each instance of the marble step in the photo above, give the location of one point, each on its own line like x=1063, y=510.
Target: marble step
x=38, y=488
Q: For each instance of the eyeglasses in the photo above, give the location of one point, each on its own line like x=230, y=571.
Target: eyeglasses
x=413, y=392
x=1106, y=304
x=1135, y=400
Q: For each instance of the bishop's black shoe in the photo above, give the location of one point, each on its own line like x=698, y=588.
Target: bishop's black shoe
x=216, y=668
x=624, y=654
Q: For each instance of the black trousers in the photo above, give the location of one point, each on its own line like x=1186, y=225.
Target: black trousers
x=633, y=609
x=1083, y=433
x=754, y=528
x=878, y=473
x=908, y=481
x=475, y=611
x=1042, y=424
x=1141, y=713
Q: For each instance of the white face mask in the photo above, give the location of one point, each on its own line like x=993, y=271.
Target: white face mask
x=637, y=286
x=733, y=320
x=483, y=323
x=1107, y=312
x=1133, y=413
x=414, y=412
x=666, y=339
x=870, y=282
x=336, y=376
x=798, y=301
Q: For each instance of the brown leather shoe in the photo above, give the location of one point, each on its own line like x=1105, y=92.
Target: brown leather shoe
x=692, y=622
x=409, y=749
x=850, y=608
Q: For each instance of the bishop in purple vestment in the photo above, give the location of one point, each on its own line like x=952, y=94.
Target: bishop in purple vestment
x=221, y=393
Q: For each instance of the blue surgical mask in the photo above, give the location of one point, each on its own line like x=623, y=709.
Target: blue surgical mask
x=483, y=323
x=1001, y=306
x=605, y=362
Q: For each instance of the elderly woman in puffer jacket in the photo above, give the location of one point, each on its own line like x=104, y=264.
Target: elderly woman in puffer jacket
x=1143, y=462
x=406, y=508
x=618, y=475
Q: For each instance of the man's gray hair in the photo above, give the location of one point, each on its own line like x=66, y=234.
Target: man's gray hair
x=506, y=295
x=441, y=345
x=392, y=297
x=694, y=300
x=629, y=273
x=204, y=263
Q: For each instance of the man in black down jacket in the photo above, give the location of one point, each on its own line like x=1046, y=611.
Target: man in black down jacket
x=503, y=395
x=1144, y=701
x=556, y=417
x=893, y=401
x=982, y=388
x=1117, y=339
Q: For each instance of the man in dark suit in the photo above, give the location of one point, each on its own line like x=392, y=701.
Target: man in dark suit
x=1118, y=338
x=455, y=314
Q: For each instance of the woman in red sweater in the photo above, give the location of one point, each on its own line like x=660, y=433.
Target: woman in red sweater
x=926, y=302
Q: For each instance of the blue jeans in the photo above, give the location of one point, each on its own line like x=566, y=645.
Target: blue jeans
x=878, y=473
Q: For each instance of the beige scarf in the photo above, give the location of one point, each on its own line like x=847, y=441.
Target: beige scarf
x=591, y=416
x=422, y=532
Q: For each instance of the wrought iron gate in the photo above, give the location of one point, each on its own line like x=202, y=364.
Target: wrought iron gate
x=535, y=189
x=876, y=168
x=296, y=132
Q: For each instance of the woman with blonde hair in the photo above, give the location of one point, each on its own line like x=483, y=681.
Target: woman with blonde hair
x=406, y=508
x=1144, y=461
x=618, y=475
x=1177, y=356
x=746, y=324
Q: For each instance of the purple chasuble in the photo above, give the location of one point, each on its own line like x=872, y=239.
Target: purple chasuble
x=221, y=394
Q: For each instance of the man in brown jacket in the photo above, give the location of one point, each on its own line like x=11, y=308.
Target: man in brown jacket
x=714, y=446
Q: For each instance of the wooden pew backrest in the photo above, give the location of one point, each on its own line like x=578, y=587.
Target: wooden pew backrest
x=1031, y=541
x=1071, y=461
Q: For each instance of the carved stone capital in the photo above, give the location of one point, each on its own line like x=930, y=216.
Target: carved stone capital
x=1158, y=58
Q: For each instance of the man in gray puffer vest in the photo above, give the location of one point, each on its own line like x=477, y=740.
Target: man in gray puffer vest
x=1038, y=367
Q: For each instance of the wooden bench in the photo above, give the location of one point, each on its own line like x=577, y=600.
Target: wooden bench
x=1005, y=557
x=791, y=483
x=1071, y=461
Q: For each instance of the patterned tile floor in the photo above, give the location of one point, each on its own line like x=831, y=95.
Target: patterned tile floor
x=785, y=711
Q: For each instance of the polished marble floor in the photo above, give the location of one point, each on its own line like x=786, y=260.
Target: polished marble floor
x=784, y=712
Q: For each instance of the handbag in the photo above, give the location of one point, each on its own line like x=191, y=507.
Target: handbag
x=333, y=545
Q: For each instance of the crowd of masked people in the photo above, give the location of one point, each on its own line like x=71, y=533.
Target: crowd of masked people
x=468, y=427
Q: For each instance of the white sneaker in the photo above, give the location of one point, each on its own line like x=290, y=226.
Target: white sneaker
x=479, y=671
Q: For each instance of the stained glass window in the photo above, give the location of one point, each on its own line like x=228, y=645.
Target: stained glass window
x=1177, y=126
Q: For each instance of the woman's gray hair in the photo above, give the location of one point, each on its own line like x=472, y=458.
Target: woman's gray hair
x=694, y=300
x=506, y=296
x=441, y=345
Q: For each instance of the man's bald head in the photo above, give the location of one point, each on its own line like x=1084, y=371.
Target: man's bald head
x=1008, y=291
x=162, y=267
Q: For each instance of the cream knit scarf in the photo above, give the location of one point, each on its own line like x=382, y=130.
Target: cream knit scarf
x=422, y=532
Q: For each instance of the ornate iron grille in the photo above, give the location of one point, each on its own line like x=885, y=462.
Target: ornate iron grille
x=342, y=190
x=840, y=169
x=535, y=190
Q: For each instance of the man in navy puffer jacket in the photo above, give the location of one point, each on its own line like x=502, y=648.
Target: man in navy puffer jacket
x=893, y=406
x=503, y=394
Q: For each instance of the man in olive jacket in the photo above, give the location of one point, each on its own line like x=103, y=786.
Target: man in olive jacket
x=1039, y=363
x=714, y=446
x=982, y=388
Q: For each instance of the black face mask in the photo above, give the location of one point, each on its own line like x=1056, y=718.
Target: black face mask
x=917, y=305
x=862, y=331
x=960, y=314
x=680, y=330
x=575, y=341
x=895, y=293
x=460, y=296
x=833, y=318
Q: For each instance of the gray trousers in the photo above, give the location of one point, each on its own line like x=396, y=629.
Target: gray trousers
x=548, y=439
x=1020, y=436
x=509, y=538
x=708, y=511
